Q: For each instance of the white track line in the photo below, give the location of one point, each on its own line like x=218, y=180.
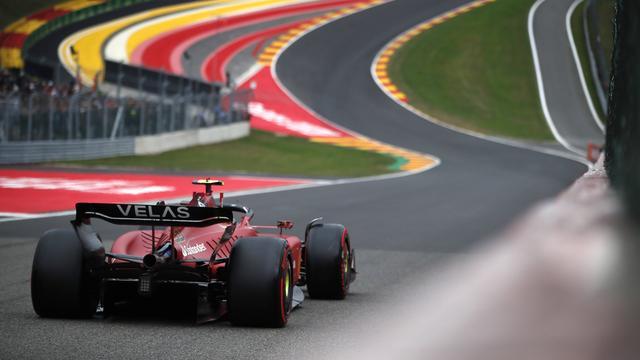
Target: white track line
x=576, y=57
x=495, y=139
x=313, y=184
x=542, y=94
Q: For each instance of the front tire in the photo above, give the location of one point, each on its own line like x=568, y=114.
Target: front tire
x=60, y=287
x=260, y=286
x=328, y=259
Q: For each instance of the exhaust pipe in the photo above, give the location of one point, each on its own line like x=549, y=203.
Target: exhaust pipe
x=151, y=260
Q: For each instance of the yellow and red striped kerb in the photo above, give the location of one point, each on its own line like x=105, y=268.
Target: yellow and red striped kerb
x=381, y=67
x=274, y=48
x=12, y=38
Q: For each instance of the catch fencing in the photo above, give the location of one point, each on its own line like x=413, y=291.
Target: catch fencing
x=89, y=115
x=63, y=115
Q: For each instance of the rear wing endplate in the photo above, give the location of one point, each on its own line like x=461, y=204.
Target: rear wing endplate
x=153, y=215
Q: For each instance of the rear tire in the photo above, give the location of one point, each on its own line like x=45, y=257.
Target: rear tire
x=60, y=287
x=260, y=287
x=328, y=261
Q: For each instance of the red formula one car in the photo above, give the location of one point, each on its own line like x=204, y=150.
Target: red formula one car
x=202, y=253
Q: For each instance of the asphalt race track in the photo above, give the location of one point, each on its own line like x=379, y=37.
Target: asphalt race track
x=567, y=105
x=400, y=227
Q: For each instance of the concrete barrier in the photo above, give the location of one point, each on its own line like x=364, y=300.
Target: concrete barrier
x=154, y=144
x=25, y=152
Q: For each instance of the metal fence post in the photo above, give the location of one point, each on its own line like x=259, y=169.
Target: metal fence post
x=231, y=115
x=29, y=116
x=70, y=117
x=4, y=133
x=76, y=122
x=172, y=119
x=90, y=116
x=141, y=114
x=117, y=123
x=105, y=117
x=189, y=104
x=51, y=115
x=161, y=103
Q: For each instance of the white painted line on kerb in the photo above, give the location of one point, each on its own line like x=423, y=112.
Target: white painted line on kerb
x=313, y=184
x=576, y=57
x=541, y=92
x=431, y=119
x=115, y=48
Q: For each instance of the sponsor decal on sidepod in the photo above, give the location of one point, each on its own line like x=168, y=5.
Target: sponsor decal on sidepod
x=191, y=250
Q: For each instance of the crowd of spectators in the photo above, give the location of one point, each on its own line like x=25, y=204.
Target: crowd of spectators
x=17, y=83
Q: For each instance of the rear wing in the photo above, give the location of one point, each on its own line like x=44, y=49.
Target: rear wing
x=153, y=215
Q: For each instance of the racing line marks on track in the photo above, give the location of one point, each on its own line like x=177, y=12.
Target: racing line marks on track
x=381, y=77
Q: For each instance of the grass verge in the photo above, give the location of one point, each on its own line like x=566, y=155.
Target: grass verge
x=261, y=152
x=476, y=71
x=577, y=29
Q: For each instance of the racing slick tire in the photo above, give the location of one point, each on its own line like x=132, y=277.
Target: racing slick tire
x=60, y=287
x=260, y=286
x=328, y=258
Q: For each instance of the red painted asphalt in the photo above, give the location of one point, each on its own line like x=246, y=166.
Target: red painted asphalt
x=274, y=111
x=32, y=192
x=165, y=51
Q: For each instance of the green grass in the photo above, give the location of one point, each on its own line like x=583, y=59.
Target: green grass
x=579, y=36
x=260, y=152
x=476, y=71
x=11, y=11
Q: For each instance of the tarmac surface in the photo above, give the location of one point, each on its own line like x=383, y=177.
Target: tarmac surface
x=565, y=97
x=400, y=227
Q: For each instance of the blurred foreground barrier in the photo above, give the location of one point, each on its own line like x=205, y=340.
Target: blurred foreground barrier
x=560, y=283
x=623, y=128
